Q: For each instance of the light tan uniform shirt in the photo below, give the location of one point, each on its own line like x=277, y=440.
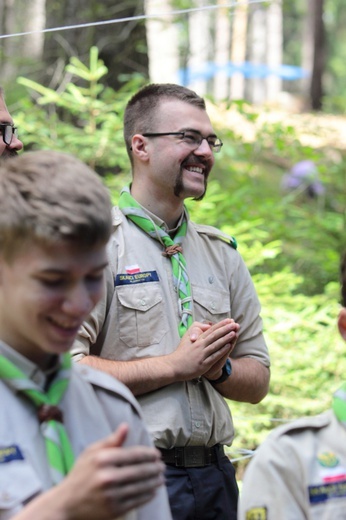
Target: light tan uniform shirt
x=93, y=406
x=298, y=473
x=139, y=317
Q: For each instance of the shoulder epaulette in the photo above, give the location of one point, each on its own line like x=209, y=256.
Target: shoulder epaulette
x=216, y=233
x=117, y=216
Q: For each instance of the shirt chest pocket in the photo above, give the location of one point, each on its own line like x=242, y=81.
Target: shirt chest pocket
x=211, y=305
x=142, y=319
x=18, y=485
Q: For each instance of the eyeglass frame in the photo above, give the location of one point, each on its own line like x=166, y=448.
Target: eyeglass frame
x=14, y=132
x=215, y=148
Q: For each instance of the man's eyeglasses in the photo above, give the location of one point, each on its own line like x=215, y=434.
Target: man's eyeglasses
x=8, y=131
x=192, y=138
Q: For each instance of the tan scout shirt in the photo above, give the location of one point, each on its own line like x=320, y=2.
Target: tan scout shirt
x=93, y=406
x=298, y=473
x=139, y=318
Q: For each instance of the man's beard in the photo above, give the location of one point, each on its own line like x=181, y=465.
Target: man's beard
x=8, y=154
x=179, y=186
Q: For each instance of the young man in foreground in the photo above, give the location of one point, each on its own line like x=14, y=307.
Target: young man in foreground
x=299, y=472
x=72, y=441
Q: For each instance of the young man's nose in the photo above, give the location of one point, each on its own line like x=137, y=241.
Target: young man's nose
x=204, y=148
x=79, y=302
x=16, y=144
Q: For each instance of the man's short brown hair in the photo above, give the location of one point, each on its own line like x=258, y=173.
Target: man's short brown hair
x=48, y=196
x=141, y=109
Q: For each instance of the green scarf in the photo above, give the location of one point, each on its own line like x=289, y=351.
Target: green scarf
x=339, y=404
x=173, y=248
x=59, y=452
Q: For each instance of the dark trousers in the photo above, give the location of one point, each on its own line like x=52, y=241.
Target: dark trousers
x=209, y=493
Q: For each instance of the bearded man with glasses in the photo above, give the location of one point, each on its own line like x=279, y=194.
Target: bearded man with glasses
x=9, y=142
x=179, y=323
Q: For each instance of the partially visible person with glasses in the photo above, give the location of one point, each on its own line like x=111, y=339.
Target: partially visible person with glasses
x=9, y=142
x=179, y=323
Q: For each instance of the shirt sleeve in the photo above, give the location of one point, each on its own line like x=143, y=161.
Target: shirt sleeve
x=90, y=332
x=158, y=508
x=272, y=486
x=245, y=309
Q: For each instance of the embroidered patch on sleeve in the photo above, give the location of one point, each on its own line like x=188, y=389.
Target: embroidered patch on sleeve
x=10, y=453
x=256, y=513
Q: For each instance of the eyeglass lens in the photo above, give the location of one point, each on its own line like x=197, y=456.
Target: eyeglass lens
x=8, y=131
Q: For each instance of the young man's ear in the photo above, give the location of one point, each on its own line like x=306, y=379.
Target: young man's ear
x=342, y=323
x=139, y=147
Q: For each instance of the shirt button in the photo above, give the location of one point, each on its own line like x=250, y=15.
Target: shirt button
x=197, y=424
x=211, y=279
x=213, y=306
x=142, y=302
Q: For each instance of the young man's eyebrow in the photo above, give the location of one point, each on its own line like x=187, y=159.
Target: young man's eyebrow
x=196, y=132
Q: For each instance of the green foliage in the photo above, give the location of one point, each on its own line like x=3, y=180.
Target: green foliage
x=85, y=120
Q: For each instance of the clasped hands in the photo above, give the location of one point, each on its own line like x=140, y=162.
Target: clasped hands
x=204, y=349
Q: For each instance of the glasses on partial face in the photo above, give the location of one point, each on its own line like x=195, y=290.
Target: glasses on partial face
x=192, y=138
x=8, y=131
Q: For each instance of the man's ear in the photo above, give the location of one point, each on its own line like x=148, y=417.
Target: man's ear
x=139, y=147
x=342, y=323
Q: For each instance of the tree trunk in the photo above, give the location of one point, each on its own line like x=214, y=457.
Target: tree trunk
x=199, y=46
x=35, y=21
x=238, y=52
x=222, y=51
x=10, y=46
x=162, y=39
x=316, y=88
x=257, y=53
x=274, y=50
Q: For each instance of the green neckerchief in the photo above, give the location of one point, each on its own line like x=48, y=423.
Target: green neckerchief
x=173, y=248
x=339, y=404
x=59, y=452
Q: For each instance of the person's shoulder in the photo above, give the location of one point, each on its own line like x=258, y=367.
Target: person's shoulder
x=314, y=422
x=105, y=382
x=213, y=232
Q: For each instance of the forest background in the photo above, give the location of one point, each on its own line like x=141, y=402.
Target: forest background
x=67, y=90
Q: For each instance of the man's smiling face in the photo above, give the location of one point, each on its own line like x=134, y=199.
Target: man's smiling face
x=178, y=166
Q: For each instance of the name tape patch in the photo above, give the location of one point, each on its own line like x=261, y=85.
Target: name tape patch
x=129, y=279
x=10, y=453
x=324, y=492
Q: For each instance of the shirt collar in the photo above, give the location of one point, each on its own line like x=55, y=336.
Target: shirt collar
x=30, y=369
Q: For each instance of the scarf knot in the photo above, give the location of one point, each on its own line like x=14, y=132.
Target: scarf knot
x=172, y=250
x=47, y=412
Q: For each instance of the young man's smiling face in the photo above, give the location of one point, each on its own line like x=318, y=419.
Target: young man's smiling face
x=8, y=150
x=175, y=166
x=45, y=295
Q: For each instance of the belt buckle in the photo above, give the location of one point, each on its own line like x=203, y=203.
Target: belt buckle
x=194, y=457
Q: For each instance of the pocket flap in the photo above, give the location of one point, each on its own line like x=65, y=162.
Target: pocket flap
x=140, y=298
x=215, y=302
x=18, y=484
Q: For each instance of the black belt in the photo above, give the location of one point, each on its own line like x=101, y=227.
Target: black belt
x=192, y=456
